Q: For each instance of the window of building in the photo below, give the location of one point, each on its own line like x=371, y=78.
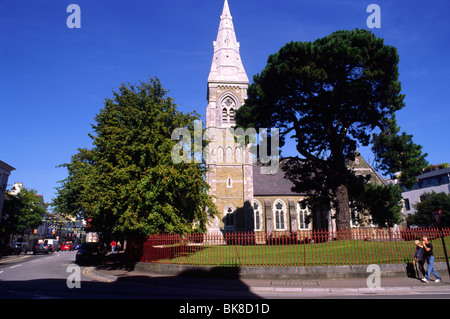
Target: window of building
x=237, y=155
x=257, y=209
x=228, y=110
x=224, y=115
x=407, y=204
x=229, y=183
x=229, y=155
x=220, y=155
x=232, y=120
x=280, y=215
x=229, y=219
x=302, y=214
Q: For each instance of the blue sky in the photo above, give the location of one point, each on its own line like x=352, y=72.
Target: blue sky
x=54, y=80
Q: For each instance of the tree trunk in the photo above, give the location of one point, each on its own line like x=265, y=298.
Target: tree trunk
x=342, y=208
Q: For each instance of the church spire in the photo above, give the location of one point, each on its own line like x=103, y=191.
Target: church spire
x=227, y=65
x=226, y=10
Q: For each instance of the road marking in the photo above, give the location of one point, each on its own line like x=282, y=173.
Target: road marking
x=1, y=271
x=13, y=259
x=87, y=273
x=12, y=267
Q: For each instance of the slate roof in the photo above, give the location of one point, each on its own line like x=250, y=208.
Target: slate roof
x=434, y=173
x=271, y=184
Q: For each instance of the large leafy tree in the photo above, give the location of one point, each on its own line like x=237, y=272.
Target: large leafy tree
x=332, y=96
x=22, y=212
x=128, y=183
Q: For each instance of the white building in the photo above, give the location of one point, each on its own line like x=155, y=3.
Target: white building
x=437, y=181
x=5, y=171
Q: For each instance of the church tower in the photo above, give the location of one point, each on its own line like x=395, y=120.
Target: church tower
x=230, y=167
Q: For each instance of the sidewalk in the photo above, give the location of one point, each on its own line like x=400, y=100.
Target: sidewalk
x=114, y=268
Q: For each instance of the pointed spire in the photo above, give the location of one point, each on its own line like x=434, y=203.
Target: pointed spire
x=227, y=65
x=226, y=10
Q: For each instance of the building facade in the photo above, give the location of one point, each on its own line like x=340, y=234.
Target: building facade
x=247, y=197
x=230, y=166
x=437, y=181
x=5, y=171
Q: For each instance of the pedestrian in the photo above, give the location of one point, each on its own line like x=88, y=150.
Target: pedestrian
x=430, y=261
x=113, y=246
x=419, y=258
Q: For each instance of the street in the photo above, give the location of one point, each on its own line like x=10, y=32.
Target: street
x=46, y=276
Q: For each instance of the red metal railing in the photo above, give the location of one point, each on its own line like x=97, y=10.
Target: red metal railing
x=303, y=248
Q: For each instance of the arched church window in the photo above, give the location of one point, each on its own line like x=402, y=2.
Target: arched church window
x=229, y=183
x=229, y=220
x=228, y=110
x=229, y=155
x=232, y=116
x=280, y=215
x=302, y=214
x=237, y=155
x=220, y=155
x=224, y=116
x=257, y=209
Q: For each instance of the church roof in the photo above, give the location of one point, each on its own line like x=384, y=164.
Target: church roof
x=271, y=184
x=278, y=185
x=227, y=64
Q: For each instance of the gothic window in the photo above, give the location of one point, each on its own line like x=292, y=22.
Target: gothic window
x=237, y=155
x=224, y=116
x=228, y=110
x=280, y=215
x=232, y=115
x=229, y=155
x=229, y=217
x=229, y=183
x=220, y=155
x=302, y=214
x=257, y=209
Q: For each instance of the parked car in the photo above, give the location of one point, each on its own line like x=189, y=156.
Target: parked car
x=17, y=248
x=67, y=245
x=41, y=248
x=90, y=253
x=53, y=244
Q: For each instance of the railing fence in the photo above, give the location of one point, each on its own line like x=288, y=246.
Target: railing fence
x=356, y=246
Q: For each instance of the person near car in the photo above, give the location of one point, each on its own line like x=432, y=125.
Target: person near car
x=113, y=246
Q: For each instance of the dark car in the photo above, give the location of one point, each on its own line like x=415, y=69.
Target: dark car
x=90, y=253
x=41, y=249
x=17, y=248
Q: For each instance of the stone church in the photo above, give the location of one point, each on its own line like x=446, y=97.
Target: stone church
x=247, y=198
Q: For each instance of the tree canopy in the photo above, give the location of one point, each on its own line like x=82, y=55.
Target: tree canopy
x=22, y=212
x=432, y=202
x=128, y=183
x=333, y=96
